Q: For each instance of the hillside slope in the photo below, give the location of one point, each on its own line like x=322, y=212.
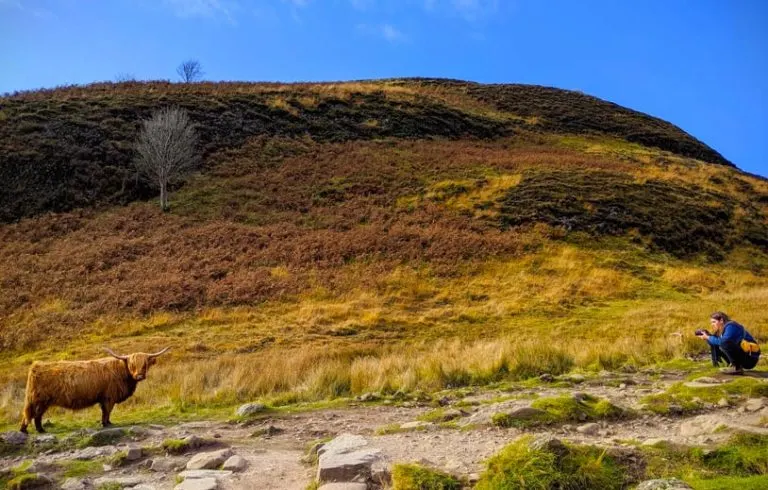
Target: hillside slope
x=343, y=238
x=72, y=147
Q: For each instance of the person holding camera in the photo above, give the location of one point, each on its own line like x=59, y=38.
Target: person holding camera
x=731, y=342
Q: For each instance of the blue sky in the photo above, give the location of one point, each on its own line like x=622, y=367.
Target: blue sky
x=701, y=64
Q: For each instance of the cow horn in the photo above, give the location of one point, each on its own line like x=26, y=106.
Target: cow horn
x=109, y=351
x=161, y=352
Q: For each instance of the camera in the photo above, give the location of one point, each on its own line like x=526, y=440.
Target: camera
x=699, y=332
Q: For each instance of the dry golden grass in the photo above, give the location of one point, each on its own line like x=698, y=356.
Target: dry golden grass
x=416, y=328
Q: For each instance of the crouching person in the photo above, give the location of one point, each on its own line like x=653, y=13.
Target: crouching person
x=730, y=342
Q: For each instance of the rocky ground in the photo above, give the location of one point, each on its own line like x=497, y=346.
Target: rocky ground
x=453, y=431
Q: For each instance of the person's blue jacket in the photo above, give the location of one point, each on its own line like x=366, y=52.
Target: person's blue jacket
x=733, y=333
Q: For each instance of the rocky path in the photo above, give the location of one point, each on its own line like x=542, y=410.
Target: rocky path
x=271, y=451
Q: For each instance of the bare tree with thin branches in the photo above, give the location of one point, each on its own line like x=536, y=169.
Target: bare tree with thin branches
x=124, y=77
x=190, y=71
x=166, y=149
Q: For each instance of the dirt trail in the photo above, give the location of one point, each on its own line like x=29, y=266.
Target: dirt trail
x=274, y=447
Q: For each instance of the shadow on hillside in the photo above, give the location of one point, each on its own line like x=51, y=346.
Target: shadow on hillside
x=756, y=374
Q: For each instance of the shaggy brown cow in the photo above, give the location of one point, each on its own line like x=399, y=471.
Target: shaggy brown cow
x=81, y=384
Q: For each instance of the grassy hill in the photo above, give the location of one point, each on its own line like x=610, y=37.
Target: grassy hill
x=353, y=237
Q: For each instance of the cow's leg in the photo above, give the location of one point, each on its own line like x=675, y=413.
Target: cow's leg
x=39, y=411
x=27, y=415
x=106, y=410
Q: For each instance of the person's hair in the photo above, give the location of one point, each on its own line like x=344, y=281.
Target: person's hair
x=720, y=316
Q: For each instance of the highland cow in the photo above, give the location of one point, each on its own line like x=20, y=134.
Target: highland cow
x=81, y=384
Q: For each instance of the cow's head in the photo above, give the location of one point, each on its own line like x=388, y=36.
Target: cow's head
x=138, y=363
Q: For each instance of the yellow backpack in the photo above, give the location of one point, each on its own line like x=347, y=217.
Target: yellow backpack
x=750, y=347
x=747, y=346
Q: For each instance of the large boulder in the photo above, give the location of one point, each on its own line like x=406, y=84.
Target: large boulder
x=346, y=459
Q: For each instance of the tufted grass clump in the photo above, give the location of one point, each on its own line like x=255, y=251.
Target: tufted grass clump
x=578, y=409
x=79, y=469
x=102, y=438
x=417, y=477
x=175, y=446
x=522, y=465
x=742, y=459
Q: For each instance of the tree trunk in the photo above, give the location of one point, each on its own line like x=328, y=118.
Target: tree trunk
x=164, y=196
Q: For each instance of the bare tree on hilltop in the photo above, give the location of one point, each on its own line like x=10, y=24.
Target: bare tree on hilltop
x=166, y=149
x=190, y=71
x=125, y=77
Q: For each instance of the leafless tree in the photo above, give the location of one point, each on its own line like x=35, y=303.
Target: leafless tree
x=166, y=149
x=190, y=71
x=124, y=77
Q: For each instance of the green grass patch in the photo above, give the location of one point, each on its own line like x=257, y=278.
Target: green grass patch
x=744, y=455
x=25, y=481
x=79, y=469
x=417, y=477
x=730, y=483
x=685, y=398
x=520, y=465
x=110, y=486
x=559, y=409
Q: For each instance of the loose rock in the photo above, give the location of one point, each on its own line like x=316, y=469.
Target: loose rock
x=754, y=404
x=250, y=409
x=199, y=484
x=133, y=453
x=41, y=439
x=199, y=474
x=664, y=484
x=591, y=428
x=209, y=460
x=166, y=465
x=125, y=481
x=235, y=463
x=73, y=484
x=14, y=438
x=344, y=486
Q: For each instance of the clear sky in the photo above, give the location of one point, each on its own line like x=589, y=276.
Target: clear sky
x=701, y=64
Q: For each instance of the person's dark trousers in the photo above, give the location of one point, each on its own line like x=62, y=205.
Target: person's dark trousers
x=733, y=354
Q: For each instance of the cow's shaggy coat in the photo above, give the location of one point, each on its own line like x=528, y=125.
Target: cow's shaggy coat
x=81, y=384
